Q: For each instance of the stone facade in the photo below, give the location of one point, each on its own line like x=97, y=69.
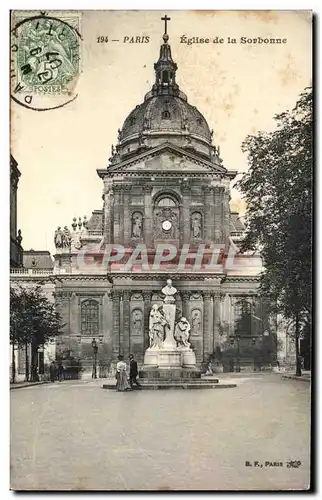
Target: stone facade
x=165, y=184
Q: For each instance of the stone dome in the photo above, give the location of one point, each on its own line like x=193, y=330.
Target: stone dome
x=166, y=113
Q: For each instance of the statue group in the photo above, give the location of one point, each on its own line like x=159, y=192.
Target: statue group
x=159, y=322
x=62, y=238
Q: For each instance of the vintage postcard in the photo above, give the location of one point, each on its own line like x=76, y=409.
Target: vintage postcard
x=160, y=247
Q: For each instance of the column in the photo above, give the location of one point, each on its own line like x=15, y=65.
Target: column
x=121, y=221
x=208, y=214
x=226, y=217
x=232, y=314
x=211, y=204
x=127, y=214
x=207, y=326
x=108, y=212
x=218, y=219
x=126, y=324
x=116, y=324
x=147, y=307
x=185, y=223
x=148, y=229
x=117, y=213
x=185, y=304
x=217, y=298
x=73, y=315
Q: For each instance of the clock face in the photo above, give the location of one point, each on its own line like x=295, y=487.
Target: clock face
x=166, y=225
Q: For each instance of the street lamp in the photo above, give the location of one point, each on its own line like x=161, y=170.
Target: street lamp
x=95, y=349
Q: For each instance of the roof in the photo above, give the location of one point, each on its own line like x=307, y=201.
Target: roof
x=150, y=114
x=40, y=259
x=95, y=222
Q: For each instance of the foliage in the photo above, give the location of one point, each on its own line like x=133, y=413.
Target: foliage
x=33, y=319
x=278, y=192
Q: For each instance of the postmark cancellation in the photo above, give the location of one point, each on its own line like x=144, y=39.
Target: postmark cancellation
x=45, y=58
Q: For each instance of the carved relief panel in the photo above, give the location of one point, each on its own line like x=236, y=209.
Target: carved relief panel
x=196, y=321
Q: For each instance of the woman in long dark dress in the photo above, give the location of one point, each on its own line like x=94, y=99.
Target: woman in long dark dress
x=122, y=383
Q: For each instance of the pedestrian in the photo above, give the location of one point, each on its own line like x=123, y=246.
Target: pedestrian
x=122, y=383
x=134, y=372
x=52, y=371
x=60, y=371
x=209, y=369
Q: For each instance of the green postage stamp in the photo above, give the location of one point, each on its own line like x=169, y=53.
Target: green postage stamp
x=45, y=58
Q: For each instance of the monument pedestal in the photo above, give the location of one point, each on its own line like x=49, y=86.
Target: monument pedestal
x=151, y=357
x=179, y=374
x=170, y=359
x=188, y=358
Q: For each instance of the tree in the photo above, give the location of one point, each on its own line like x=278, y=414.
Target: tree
x=278, y=192
x=33, y=321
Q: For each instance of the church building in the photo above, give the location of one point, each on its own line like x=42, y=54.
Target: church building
x=166, y=201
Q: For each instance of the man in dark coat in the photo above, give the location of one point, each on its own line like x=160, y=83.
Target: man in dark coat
x=133, y=372
x=53, y=371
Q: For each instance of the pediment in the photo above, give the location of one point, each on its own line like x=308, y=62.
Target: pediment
x=167, y=158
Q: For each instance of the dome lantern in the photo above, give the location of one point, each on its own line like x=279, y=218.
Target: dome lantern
x=165, y=68
x=164, y=116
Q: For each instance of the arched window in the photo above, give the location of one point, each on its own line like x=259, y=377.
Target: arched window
x=166, y=115
x=165, y=76
x=166, y=202
x=90, y=318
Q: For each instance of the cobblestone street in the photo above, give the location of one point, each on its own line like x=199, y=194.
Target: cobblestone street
x=74, y=435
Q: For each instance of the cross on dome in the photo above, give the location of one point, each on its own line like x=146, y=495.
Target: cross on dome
x=165, y=19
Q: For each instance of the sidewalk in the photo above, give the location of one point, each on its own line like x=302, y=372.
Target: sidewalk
x=305, y=377
x=21, y=385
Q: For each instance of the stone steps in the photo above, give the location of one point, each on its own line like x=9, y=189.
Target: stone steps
x=180, y=382
x=178, y=385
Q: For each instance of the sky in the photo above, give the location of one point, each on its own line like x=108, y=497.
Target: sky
x=237, y=87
